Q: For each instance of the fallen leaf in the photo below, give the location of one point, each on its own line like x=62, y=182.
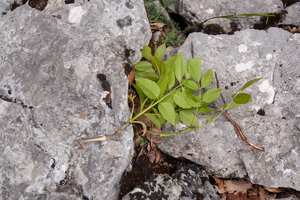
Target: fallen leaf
x=152, y=156
x=131, y=76
x=275, y=190
x=220, y=185
x=156, y=26
x=158, y=157
x=264, y=194
x=237, y=186
x=137, y=142
x=154, y=138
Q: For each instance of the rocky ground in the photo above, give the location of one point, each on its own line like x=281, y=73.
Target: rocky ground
x=62, y=78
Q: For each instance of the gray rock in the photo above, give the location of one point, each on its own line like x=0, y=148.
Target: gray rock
x=4, y=8
x=189, y=182
x=248, y=54
x=195, y=11
x=52, y=69
x=291, y=16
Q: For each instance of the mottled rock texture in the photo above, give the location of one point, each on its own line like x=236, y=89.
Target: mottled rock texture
x=55, y=70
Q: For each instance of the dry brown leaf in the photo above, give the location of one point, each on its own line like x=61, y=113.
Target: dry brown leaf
x=137, y=142
x=154, y=138
x=131, y=76
x=264, y=194
x=156, y=26
x=275, y=190
x=158, y=157
x=220, y=185
x=233, y=186
x=152, y=156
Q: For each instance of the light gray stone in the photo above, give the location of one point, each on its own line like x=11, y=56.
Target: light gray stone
x=248, y=54
x=49, y=65
x=4, y=8
x=291, y=16
x=195, y=11
x=187, y=183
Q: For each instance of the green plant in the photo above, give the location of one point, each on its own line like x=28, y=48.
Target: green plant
x=172, y=91
x=155, y=14
x=174, y=37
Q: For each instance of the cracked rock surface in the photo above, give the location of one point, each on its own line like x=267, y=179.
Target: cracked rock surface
x=246, y=55
x=55, y=70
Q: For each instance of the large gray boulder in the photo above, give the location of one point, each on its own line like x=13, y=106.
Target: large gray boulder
x=248, y=54
x=195, y=11
x=53, y=67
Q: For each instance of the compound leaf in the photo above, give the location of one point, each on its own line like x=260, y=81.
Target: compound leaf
x=149, y=88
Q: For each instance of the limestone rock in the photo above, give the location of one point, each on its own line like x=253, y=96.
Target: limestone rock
x=195, y=11
x=55, y=71
x=248, y=54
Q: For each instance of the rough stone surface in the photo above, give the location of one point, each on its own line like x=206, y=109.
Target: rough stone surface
x=188, y=182
x=195, y=11
x=248, y=54
x=291, y=16
x=53, y=68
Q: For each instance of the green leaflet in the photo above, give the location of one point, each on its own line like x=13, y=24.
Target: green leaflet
x=150, y=88
x=194, y=68
x=170, y=61
x=233, y=105
x=179, y=67
x=167, y=111
x=204, y=110
x=242, y=98
x=160, y=51
x=180, y=100
x=140, y=93
x=188, y=117
x=156, y=64
x=142, y=66
x=190, y=100
x=211, y=95
x=207, y=79
x=163, y=83
x=154, y=119
x=149, y=75
x=191, y=84
x=146, y=53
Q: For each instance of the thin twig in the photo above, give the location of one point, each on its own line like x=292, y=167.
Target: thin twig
x=237, y=128
x=192, y=48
